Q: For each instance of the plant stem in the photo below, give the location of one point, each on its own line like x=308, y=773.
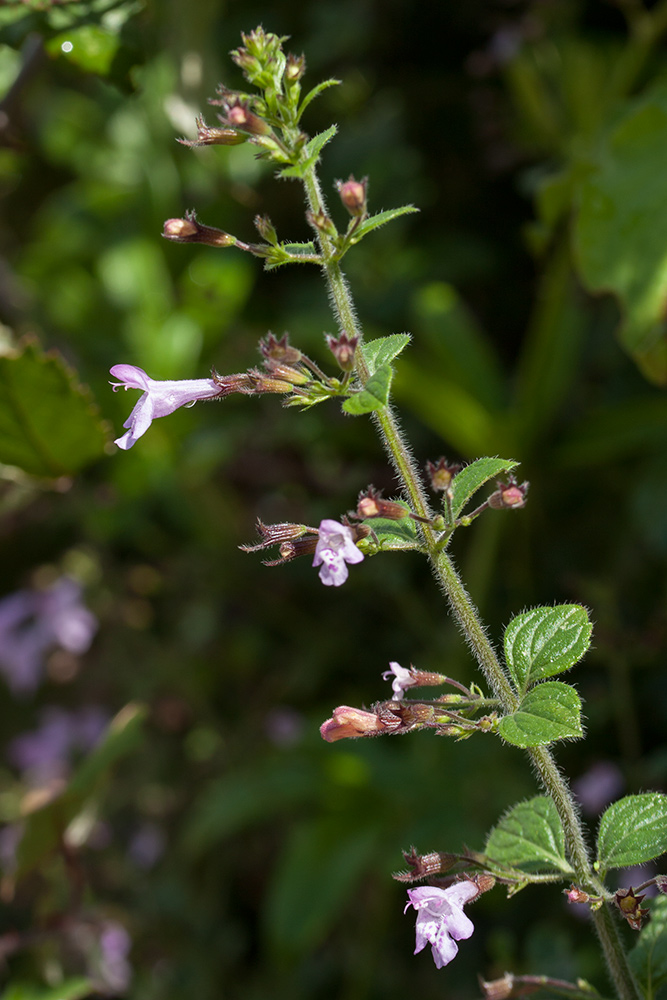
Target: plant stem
x=466, y=613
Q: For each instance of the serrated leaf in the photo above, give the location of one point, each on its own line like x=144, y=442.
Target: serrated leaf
x=392, y=534
x=43, y=829
x=550, y=711
x=648, y=959
x=632, y=831
x=472, y=477
x=530, y=837
x=69, y=989
x=312, y=150
x=315, y=92
x=49, y=424
x=381, y=219
x=373, y=396
x=383, y=350
x=546, y=641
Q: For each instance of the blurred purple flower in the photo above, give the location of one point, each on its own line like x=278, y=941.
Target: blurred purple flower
x=114, y=967
x=147, y=845
x=598, y=786
x=32, y=621
x=159, y=399
x=441, y=921
x=45, y=753
x=335, y=548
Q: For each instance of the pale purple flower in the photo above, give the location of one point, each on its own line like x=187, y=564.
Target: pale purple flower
x=441, y=921
x=403, y=679
x=114, y=968
x=598, y=786
x=32, y=621
x=159, y=399
x=45, y=753
x=335, y=548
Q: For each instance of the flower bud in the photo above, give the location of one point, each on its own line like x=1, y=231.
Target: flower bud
x=266, y=229
x=344, y=349
x=509, y=495
x=321, y=222
x=240, y=116
x=353, y=195
x=189, y=230
x=441, y=473
x=629, y=905
x=280, y=350
x=498, y=989
x=576, y=895
x=295, y=68
x=349, y=723
x=371, y=504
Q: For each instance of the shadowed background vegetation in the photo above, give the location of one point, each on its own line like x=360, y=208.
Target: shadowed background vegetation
x=532, y=137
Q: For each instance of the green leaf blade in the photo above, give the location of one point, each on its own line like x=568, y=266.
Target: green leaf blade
x=550, y=711
x=381, y=219
x=543, y=642
x=383, y=350
x=373, y=396
x=312, y=151
x=633, y=831
x=472, y=477
x=529, y=837
x=648, y=958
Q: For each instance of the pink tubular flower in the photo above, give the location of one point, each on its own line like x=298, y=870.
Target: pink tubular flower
x=441, y=921
x=159, y=399
x=335, y=548
x=403, y=679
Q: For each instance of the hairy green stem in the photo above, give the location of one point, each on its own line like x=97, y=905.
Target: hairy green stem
x=466, y=613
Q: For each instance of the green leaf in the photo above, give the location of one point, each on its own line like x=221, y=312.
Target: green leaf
x=622, y=214
x=380, y=219
x=472, y=477
x=69, y=989
x=530, y=837
x=312, y=151
x=391, y=534
x=49, y=424
x=632, y=831
x=89, y=47
x=383, y=350
x=648, y=958
x=43, y=829
x=550, y=711
x=373, y=396
x=546, y=641
x=315, y=92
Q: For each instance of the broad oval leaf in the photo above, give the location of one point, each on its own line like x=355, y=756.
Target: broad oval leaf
x=546, y=641
x=632, y=831
x=383, y=350
x=374, y=394
x=550, y=711
x=472, y=477
x=648, y=959
x=530, y=837
x=49, y=424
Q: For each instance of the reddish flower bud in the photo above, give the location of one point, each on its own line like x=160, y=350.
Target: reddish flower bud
x=189, y=230
x=661, y=883
x=349, y=723
x=240, y=116
x=280, y=350
x=441, y=473
x=344, y=349
x=295, y=68
x=576, y=895
x=498, y=989
x=321, y=222
x=629, y=905
x=508, y=495
x=371, y=504
x=353, y=195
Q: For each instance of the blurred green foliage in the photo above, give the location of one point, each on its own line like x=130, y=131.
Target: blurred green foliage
x=513, y=128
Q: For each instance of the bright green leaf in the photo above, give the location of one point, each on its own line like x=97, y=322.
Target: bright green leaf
x=69, y=989
x=312, y=151
x=49, y=424
x=392, y=534
x=472, y=477
x=550, y=711
x=380, y=219
x=89, y=47
x=546, y=641
x=530, y=837
x=383, y=350
x=648, y=958
x=315, y=92
x=632, y=831
x=373, y=396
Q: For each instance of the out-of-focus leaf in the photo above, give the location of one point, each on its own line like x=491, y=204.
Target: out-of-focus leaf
x=472, y=477
x=530, y=836
x=69, y=989
x=546, y=641
x=648, y=958
x=319, y=872
x=621, y=217
x=89, y=47
x=43, y=829
x=373, y=396
x=632, y=831
x=550, y=711
x=49, y=424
